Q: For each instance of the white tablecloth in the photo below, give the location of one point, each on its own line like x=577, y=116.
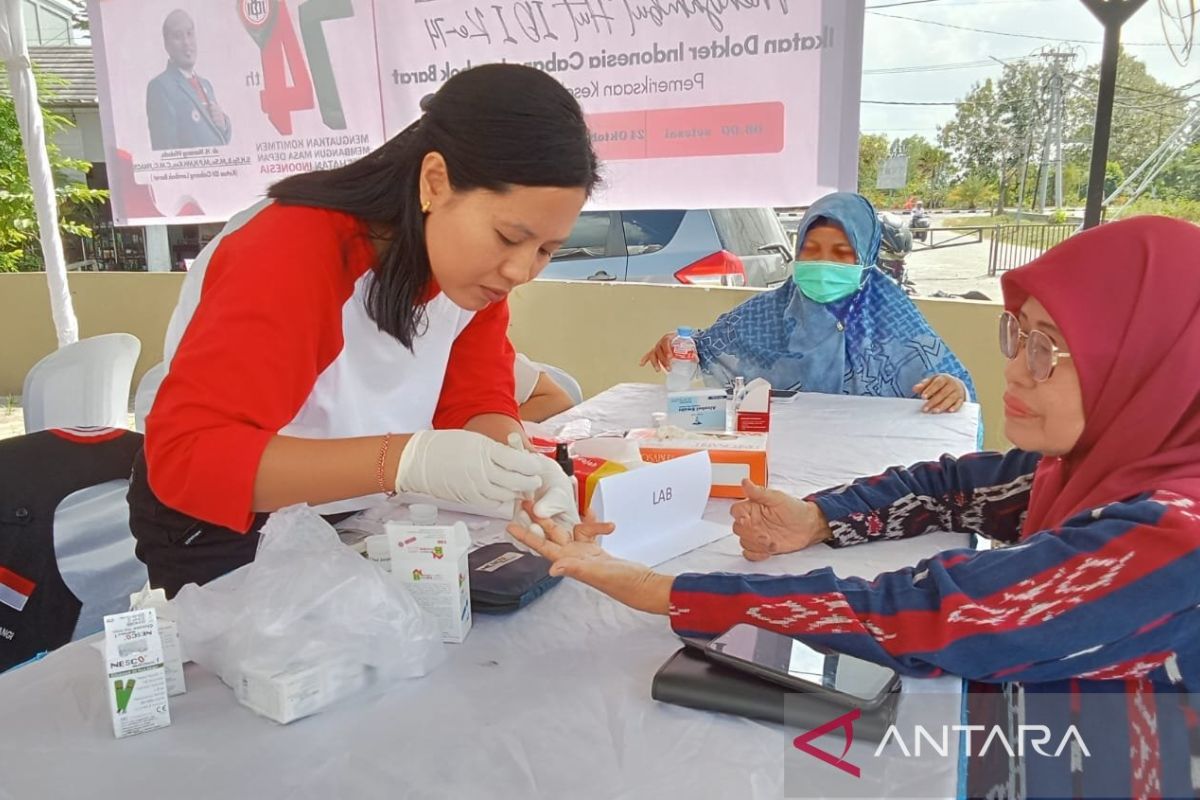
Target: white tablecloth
x=551, y=702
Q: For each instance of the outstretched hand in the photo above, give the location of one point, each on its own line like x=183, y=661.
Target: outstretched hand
x=578, y=554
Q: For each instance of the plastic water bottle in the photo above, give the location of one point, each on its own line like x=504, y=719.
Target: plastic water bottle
x=737, y=392
x=685, y=361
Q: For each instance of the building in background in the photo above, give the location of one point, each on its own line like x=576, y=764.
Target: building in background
x=53, y=22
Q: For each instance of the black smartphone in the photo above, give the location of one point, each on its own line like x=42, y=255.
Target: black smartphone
x=784, y=394
x=801, y=667
x=695, y=645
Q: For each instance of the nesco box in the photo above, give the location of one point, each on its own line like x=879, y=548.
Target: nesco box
x=136, y=681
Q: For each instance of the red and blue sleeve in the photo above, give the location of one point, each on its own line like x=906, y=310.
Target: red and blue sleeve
x=1111, y=594
x=981, y=493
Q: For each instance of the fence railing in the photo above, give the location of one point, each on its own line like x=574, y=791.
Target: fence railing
x=935, y=238
x=1016, y=245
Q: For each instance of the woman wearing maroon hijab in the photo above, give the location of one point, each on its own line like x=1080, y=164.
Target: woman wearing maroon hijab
x=1097, y=581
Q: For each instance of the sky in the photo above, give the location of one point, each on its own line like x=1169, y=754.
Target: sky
x=891, y=43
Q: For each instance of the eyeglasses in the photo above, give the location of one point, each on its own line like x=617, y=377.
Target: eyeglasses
x=1041, y=354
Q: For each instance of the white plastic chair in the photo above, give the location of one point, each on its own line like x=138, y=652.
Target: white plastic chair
x=95, y=553
x=565, y=381
x=147, y=390
x=85, y=384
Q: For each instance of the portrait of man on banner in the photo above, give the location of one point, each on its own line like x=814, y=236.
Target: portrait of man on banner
x=181, y=106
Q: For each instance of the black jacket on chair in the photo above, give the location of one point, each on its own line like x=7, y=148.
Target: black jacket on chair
x=37, y=471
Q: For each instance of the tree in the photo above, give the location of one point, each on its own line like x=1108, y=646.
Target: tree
x=1075, y=178
x=993, y=128
x=1114, y=176
x=1145, y=111
x=971, y=135
x=872, y=150
x=972, y=192
x=79, y=20
x=1026, y=99
x=20, y=248
x=928, y=169
x=1181, y=179
x=998, y=127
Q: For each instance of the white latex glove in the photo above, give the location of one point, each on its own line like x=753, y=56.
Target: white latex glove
x=556, y=499
x=468, y=468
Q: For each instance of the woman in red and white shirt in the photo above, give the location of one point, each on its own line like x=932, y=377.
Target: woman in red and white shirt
x=347, y=338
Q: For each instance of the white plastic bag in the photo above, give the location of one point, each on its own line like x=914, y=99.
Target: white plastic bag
x=308, y=623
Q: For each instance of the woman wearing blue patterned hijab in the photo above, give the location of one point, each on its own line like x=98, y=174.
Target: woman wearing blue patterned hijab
x=840, y=326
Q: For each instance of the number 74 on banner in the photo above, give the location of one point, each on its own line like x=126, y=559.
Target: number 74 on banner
x=291, y=74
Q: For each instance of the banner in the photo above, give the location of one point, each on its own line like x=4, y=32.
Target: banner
x=893, y=173
x=691, y=103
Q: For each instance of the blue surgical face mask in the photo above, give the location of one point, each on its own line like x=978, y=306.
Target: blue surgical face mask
x=827, y=281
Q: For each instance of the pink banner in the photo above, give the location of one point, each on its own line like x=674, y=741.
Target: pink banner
x=692, y=103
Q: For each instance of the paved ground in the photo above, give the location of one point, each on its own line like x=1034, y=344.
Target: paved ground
x=959, y=268
x=12, y=420
x=955, y=270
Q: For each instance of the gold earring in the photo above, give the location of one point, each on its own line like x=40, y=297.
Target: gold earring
x=425, y=206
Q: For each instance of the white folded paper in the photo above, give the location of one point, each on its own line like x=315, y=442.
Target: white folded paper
x=657, y=510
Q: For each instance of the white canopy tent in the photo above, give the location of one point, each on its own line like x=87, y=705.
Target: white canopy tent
x=15, y=54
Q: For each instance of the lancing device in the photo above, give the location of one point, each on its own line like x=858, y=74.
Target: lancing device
x=514, y=441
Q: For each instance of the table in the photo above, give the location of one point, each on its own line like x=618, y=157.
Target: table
x=552, y=702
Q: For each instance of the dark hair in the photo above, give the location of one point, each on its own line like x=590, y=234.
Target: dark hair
x=179, y=12
x=497, y=126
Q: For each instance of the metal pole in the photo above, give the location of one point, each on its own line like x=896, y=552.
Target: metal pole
x=1103, y=129
x=1024, y=174
x=1060, y=112
x=1003, y=181
x=1112, y=15
x=1044, y=167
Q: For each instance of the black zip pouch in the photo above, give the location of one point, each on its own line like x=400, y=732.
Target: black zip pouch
x=504, y=578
